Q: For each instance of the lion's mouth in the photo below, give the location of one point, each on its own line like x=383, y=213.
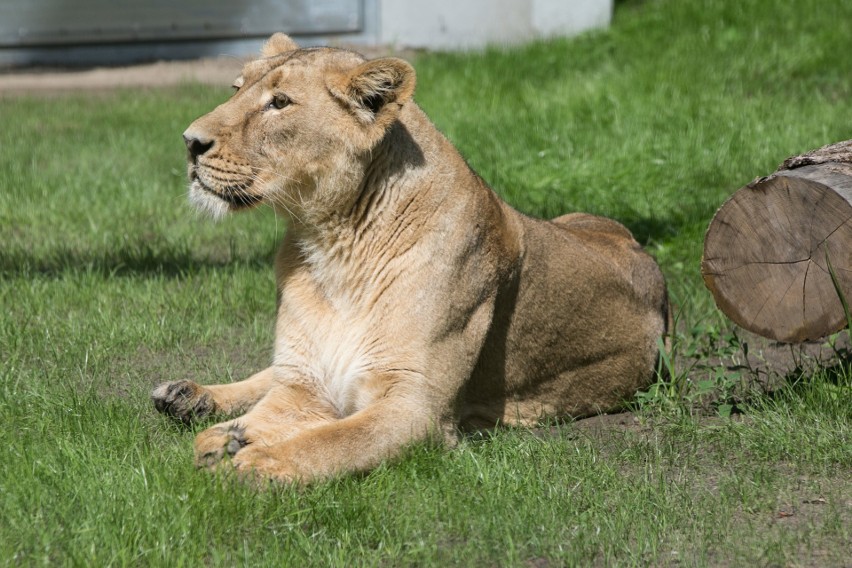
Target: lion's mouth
x=235, y=196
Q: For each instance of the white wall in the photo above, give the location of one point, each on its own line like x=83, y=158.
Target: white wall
x=435, y=24
x=453, y=24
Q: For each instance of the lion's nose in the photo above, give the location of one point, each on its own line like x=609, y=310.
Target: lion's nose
x=196, y=145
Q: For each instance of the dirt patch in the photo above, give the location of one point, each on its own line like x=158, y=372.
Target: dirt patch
x=738, y=367
x=217, y=71
x=806, y=512
x=764, y=361
x=795, y=519
x=604, y=423
x=217, y=362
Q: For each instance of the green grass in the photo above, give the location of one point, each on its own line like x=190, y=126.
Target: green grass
x=110, y=285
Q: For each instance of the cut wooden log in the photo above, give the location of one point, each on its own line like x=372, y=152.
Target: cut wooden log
x=768, y=248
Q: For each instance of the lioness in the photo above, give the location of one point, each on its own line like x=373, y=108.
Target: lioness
x=413, y=302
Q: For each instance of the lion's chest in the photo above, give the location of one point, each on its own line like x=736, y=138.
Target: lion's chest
x=337, y=343
x=341, y=360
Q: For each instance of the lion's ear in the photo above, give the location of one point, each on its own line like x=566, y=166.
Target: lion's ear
x=376, y=90
x=278, y=43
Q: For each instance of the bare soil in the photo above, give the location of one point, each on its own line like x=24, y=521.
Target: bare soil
x=214, y=71
x=218, y=71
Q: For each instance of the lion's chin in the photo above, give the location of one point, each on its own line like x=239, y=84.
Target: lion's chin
x=206, y=202
x=216, y=205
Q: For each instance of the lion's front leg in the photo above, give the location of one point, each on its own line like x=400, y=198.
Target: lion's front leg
x=356, y=443
x=286, y=410
x=186, y=400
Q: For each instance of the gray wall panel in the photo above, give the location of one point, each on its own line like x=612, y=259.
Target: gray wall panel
x=31, y=23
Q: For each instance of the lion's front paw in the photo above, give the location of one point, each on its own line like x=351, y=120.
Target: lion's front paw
x=214, y=444
x=183, y=400
x=259, y=463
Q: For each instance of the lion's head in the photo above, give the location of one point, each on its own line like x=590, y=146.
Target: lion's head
x=298, y=130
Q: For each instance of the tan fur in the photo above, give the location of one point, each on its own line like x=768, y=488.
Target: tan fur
x=413, y=302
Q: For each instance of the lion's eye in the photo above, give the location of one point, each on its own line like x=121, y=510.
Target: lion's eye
x=279, y=101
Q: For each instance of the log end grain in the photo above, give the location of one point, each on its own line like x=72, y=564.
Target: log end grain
x=766, y=250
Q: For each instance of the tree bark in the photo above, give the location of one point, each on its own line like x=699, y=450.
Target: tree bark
x=768, y=249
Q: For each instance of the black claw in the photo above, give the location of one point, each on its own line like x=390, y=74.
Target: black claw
x=180, y=391
x=180, y=402
x=238, y=439
x=210, y=458
x=234, y=446
x=202, y=407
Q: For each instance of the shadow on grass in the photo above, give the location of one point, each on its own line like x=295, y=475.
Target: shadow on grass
x=671, y=223
x=740, y=370
x=156, y=258
x=125, y=262
x=651, y=229
x=836, y=371
x=142, y=260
